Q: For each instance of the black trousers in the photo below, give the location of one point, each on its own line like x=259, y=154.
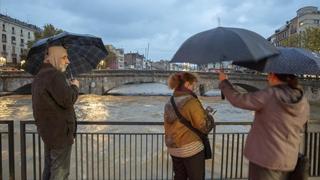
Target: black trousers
x=57, y=163
x=192, y=168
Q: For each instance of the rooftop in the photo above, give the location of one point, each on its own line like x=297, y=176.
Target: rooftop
x=21, y=23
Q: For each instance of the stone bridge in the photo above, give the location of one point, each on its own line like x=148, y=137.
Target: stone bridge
x=102, y=81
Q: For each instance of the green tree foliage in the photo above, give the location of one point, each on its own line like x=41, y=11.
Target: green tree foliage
x=308, y=39
x=48, y=30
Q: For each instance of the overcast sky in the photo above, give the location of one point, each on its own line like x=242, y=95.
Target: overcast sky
x=164, y=24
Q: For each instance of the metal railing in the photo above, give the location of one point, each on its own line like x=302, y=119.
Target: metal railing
x=100, y=151
x=312, y=150
x=7, y=148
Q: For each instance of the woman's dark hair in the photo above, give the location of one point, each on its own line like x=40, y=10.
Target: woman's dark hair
x=290, y=79
x=177, y=80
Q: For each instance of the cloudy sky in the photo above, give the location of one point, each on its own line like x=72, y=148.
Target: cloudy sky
x=163, y=24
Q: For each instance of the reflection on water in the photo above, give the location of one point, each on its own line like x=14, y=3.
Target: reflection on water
x=125, y=108
x=117, y=108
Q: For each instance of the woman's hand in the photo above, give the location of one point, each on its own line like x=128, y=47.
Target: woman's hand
x=222, y=76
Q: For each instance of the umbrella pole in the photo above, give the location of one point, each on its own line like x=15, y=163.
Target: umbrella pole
x=71, y=75
x=221, y=93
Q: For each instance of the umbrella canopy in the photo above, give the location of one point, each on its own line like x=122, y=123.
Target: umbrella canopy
x=290, y=61
x=84, y=52
x=224, y=44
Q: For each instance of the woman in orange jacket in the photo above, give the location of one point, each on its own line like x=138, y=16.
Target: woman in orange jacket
x=184, y=146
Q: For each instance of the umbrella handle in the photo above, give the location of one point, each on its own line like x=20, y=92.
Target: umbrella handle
x=71, y=75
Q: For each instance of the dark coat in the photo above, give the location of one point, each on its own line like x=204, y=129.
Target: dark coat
x=52, y=103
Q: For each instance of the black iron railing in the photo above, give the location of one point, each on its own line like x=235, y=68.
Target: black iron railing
x=7, y=148
x=313, y=151
x=108, y=150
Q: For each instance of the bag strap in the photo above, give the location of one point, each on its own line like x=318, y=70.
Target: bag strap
x=185, y=122
x=305, y=138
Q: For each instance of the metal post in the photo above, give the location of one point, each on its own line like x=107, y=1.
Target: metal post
x=11, y=150
x=23, y=150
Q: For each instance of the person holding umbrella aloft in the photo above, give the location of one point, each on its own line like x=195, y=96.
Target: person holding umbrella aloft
x=281, y=111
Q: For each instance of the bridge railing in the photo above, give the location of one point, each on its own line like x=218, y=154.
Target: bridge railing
x=7, y=170
x=136, y=150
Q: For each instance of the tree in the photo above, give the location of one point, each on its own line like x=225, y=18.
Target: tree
x=48, y=30
x=308, y=39
x=311, y=39
x=292, y=41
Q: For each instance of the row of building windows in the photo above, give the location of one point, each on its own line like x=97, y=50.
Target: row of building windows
x=13, y=40
x=4, y=49
x=13, y=31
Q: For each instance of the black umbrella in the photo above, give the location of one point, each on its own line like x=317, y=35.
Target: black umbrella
x=290, y=61
x=84, y=52
x=224, y=44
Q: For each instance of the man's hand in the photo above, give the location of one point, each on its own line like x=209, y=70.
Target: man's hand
x=75, y=82
x=222, y=76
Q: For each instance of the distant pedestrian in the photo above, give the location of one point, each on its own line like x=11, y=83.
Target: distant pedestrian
x=281, y=111
x=184, y=146
x=53, y=98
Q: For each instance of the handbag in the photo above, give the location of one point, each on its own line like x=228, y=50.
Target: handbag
x=301, y=171
x=204, y=137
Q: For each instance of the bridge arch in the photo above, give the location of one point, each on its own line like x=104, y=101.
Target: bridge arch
x=107, y=91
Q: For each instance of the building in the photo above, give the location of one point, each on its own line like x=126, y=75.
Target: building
x=118, y=61
x=134, y=61
x=307, y=17
x=181, y=66
x=15, y=36
x=160, y=65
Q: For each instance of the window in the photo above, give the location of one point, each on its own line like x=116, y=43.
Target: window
x=21, y=51
x=317, y=21
x=29, y=35
x=4, y=38
x=13, y=50
x=21, y=33
x=13, y=30
x=4, y=27
x=13, y=40
x=14, y=60
x=4, y=48
x=22, y=42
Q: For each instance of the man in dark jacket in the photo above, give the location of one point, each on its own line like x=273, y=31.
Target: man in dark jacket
x=53, y=98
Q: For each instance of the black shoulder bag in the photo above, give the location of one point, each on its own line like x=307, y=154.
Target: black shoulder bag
x=301, y=171
x=204, y=137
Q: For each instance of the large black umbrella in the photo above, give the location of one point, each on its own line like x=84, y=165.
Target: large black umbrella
x=84, y=52
x=224, y=44
x=290, y=61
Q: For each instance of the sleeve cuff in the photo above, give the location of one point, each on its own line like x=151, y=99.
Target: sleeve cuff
x=225, y=83
x=75, y=87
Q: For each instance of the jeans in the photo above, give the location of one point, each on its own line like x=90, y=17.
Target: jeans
x=57, y=163
x=191, y=167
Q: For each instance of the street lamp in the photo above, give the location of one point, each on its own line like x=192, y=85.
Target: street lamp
x=22, y=62
x=3, y=61
x=101, y=64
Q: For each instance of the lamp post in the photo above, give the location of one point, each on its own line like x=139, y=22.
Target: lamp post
x=22, y=62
